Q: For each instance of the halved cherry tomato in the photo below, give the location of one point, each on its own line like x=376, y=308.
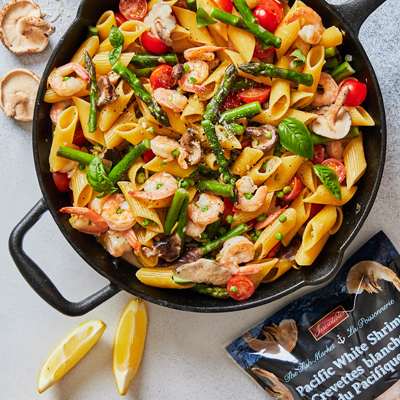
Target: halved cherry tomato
x=266, y=18
x=296, y=186
x=357, y=92
x=225, y=5
x=319, y=154
x=228, y=210
x=251, y=224
x=133, y=9
x=240, y=287
x=337, y=166
x=275, y=7
x=62, y=181
x=153, y=43
x=148, y=155
x=315, y=209
x=161, y=77
x=231, y=101
x=260, y=53
x=274, y=250
x=246, y=142
x=260, y=94
x=79, y=137
x=119, y=18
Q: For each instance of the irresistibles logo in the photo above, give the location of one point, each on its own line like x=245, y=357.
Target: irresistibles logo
x=329, y=322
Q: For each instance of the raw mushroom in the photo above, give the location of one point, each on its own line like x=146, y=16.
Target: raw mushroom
x=18, y=89
x=261, y=133
x=167, y=248
x=21, y=28
x=204, y=271
x=333, y=121
x=192, y=146
x=107, y=91
x=161, y=22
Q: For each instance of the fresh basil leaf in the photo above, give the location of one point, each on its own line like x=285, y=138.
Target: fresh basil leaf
x=329, y=179
x=297, y=63
x=97, y=177
x=295, y=137
x=114, y=54
x=116, y=37
x=299, y=55
x=203, y=19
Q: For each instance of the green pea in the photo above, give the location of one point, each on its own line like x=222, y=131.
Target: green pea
x=145, y=222
x=282, y=218
x=192, y=80
x=277, y=153
x=222, y=231
x=204, y=236
x=233, y=289
x=265, y=165
x=269, y=135
x=233, y=181
x=280, y=194
x=163, y=163
x=287, y=189
x=248, y=196
x=159, y=185
x=184, y=183
x=312, y=233
x=153, y=222
x=140, y=178
x=180, y=91
x=279, y=236
x=261, y=218
x=66, y=78
x=256, y=254
x=119, y=211
x=190, y=182
x=204, y=209
x=152, y=130
x=229, y=219
x=258, y=233
x=186, y=67
x=81, y=167
x=137, y=226
x=175, y=153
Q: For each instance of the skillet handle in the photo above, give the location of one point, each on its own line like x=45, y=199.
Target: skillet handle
x=355, y=12
x=39, y=281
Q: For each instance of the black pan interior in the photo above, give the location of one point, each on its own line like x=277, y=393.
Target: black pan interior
x=123, y=274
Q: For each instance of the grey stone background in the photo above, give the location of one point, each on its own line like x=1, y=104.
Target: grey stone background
x=184, y=356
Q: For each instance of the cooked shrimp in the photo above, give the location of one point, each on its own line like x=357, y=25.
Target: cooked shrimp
x=86, y=220
x=97, y=204
x=164, y=146
x=132, y=239
x=285, y=334
x=238, y=250
x=203, y=53
x=331, y=91
x=206, y=209
x=364, y=276
x=244, y=186
x=117, y=213
x=194, y=230
x=158, y=186
x=192, y=79
x=58, y=108
x=335, y=149
x=309, y=33
x=171, y=99
x=71, y=85
x=270, y=219
x=274, y=387
x=117, y=243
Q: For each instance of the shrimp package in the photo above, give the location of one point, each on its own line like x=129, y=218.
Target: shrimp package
x=340, y=342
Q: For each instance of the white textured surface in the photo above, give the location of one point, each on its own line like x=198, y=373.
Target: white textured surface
x=184, y=357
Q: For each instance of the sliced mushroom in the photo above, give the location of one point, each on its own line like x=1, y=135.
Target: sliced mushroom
x=21, y=28
x=266, y=135
x=204, y=271
x=167, y=248
x=18, y=90
x=288, y=253
x=192, y=146
x=161, y=22
x=333, y=121
x=107, y=91
x=113, y=77
x=177, y=71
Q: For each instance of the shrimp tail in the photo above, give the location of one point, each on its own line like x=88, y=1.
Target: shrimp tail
x=132, y=239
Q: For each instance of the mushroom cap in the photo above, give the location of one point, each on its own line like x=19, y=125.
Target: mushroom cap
x=21, y=28
x=260, y=133
x=321, y=126
x=18, y=89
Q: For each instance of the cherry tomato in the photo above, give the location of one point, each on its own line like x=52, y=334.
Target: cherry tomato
x=161, y=77
x=133, y=9
x=266, y=18
x=357, y=92
x=337, y=166
x=240, y=287
x=260, y=94
x=260, y=53
x=119, y=18
x=296, y=187
x=274, y=250
x=148, y=155
x=62, y=181
x=228, y=210
x=153, y=44
x=79, y=137
x=225, y=5
x=319, y=154
x=275, y=7
x=231, y=101
x=315, y=209
x=246, y=142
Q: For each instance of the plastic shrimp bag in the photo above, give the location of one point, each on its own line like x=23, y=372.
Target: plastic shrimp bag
x=340, y=342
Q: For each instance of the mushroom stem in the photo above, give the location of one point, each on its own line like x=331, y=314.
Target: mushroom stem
x=11, y=107
x=334, y=111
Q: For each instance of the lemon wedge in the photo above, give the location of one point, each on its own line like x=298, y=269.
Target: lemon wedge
x=129, y=341
x=69, y=352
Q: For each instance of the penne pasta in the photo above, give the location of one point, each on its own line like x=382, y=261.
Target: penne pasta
x=103, y=65
x=259, y=174
x=265, y=117
x=280, y=268
x=247, y=158
x=300, y=99
x=161, y=278
x=132, y=173
x=267, y=267
x=172, y=167
x=194, y=110
x=133, y=132
x=244, y=42
x=338, y=222
x=360, y=117
x=52, y=97
x=331, y=37
x=354, y=161
x=322, y=196
x=104, y=24
x=81, y=190
x=90, y=45
x=279, y=100
x=307, y=257
x=307, y=175
x=314, y=63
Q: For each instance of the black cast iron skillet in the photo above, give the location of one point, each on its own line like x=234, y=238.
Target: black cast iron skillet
x=121, y=274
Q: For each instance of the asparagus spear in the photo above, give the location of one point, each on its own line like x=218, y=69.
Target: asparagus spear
x=152, y=60
x=156, y=111
x=92, y=31
x=247, y=26
x=180, y=230
x=214, y=291
x=270, y=70
x=213, y=228
x=245, y=11
x=243, y=83
x=220, y=189
x=342, y=71
x=173, y=212
x=134, y=153
x=331, y=63
x=222, y=92
x=143, y=72
x=94, y=90
x=204, y=169
x=191, y=5
x=330, y=52
x=80, y=157
x=214, y=143
x=236, y=129
x=246, y=110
